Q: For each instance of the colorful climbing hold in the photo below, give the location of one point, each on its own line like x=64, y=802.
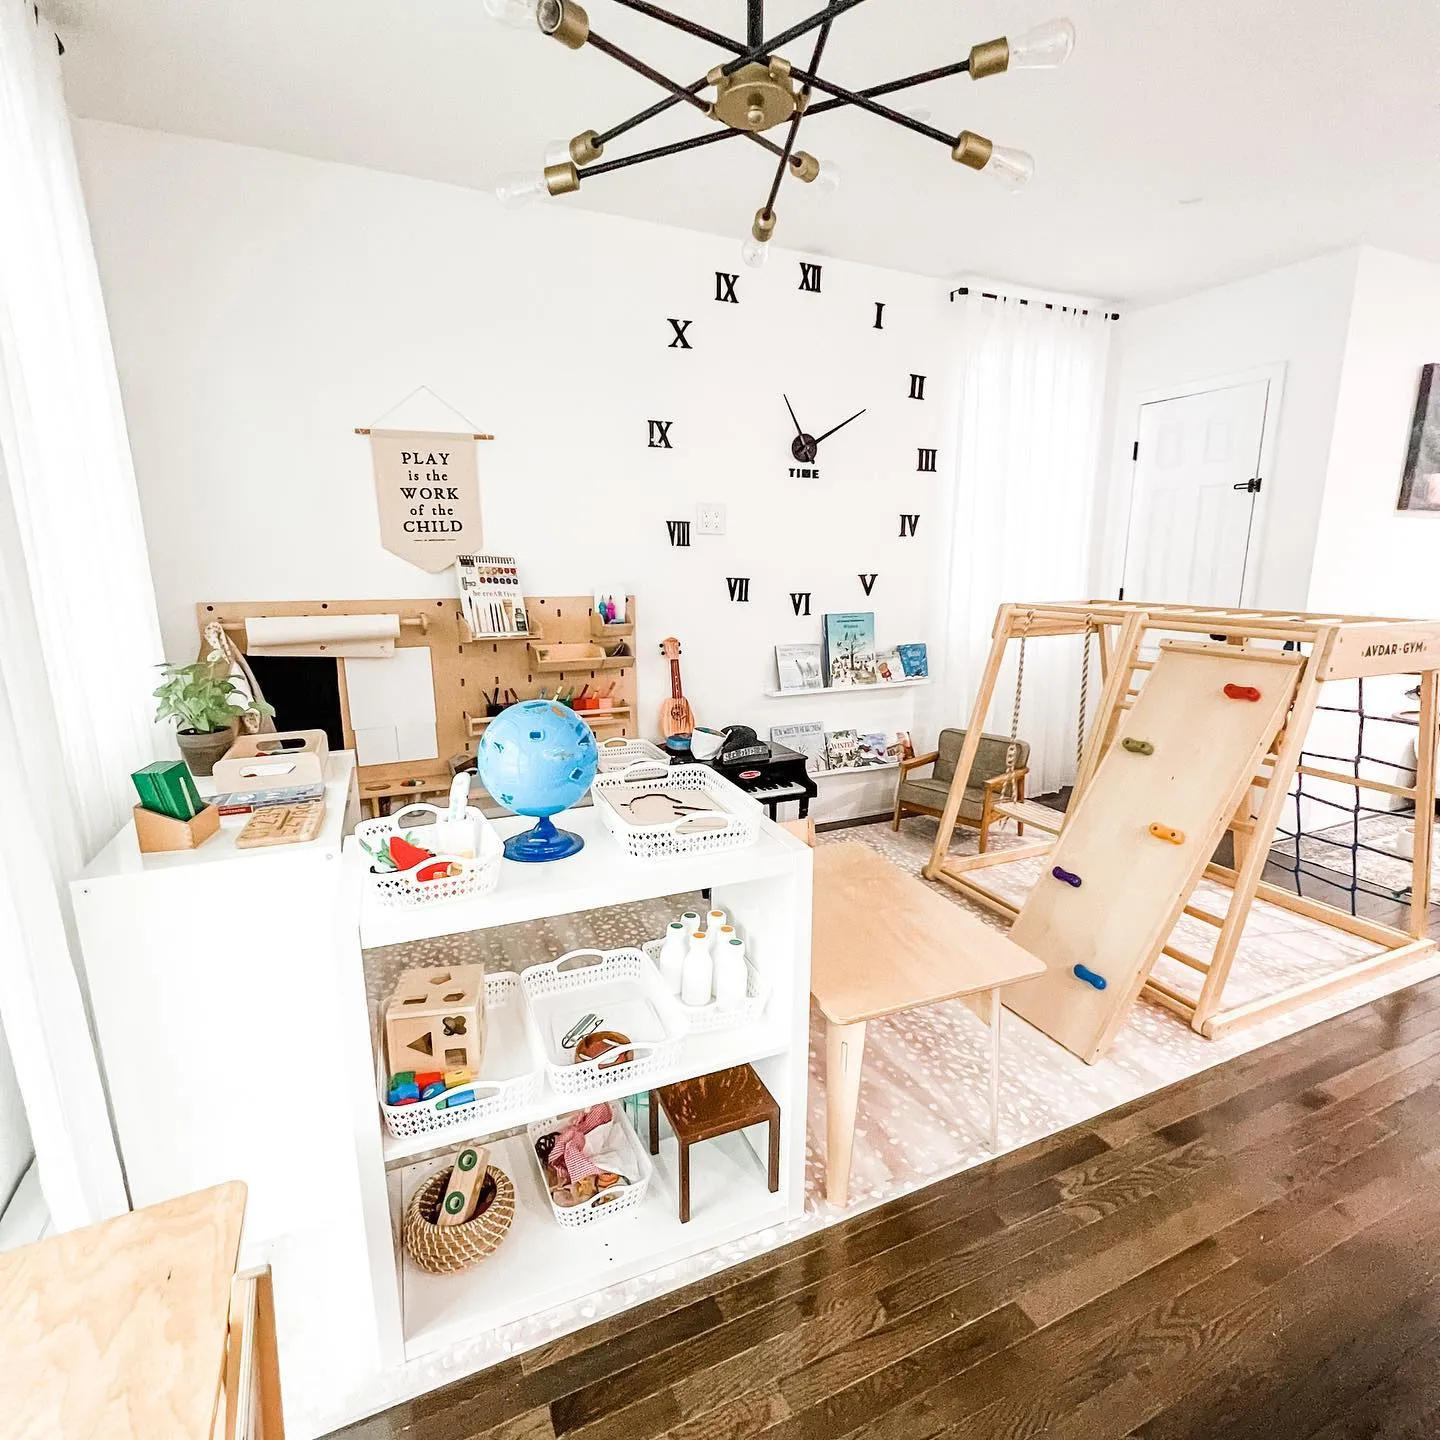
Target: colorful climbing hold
x=1137, y=747
x=1167, y=832
x=1242, y=692
x=1069, y=877
x=1083, y=972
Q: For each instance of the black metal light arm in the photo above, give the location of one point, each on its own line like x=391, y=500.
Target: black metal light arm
x=943, y=72
x=660, y=151
x=795, y=120
x=855, y=97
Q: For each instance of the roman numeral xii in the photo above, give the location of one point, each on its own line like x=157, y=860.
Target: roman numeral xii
x=810, y=278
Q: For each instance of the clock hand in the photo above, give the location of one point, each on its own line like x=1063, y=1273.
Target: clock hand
x=840, y=426
x=791, y=409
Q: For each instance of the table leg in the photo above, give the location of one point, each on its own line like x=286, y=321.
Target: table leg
x=774, y=1176
x=995, y=1012
x=684, y=1182
x=844, y=1055
x=652, y=1105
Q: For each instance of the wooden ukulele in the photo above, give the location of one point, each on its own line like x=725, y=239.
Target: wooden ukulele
x=676, y=717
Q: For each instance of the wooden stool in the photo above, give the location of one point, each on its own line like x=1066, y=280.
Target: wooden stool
x=710, y=1106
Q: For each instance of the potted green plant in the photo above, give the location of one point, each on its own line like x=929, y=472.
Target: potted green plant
x=206, y=705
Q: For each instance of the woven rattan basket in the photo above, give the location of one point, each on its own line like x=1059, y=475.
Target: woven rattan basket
x=444, y=1249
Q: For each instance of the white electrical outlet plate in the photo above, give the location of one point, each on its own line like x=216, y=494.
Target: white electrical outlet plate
x=710, y=519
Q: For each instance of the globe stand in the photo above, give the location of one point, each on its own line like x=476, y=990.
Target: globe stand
x=543, y=842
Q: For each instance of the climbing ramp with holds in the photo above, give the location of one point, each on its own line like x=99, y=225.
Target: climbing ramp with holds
x=1140, y=837
x=1204, y=723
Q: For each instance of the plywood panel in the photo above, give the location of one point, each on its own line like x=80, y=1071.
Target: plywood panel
x=1133, y=885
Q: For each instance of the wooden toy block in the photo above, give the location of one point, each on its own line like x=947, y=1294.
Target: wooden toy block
x=458, y=1077
x=462, y=1189
x=435, y=1020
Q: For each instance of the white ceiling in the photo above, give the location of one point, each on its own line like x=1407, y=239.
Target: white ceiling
x=1182, y=145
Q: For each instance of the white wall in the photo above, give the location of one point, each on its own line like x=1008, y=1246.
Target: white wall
x=16, y=1150
x=265, y=305
x=1370, y=557
x=1296, y=316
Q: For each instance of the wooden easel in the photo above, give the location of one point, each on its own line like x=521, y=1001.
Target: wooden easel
x=1331, y=647
x=466, y=671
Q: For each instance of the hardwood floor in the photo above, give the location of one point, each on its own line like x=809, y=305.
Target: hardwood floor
x=1254, y=1252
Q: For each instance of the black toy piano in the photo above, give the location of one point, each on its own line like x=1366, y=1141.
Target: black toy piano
x=772, y=774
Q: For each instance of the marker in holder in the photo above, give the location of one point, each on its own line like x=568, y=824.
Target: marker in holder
x=1167, y=832
x=1067, y=876
x=1083, y=972
x=1242, y=692
x=1137, y=747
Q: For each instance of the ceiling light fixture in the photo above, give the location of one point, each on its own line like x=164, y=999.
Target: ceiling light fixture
x=759, y=89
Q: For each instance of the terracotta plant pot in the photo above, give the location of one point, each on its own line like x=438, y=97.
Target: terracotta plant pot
x=200, y=752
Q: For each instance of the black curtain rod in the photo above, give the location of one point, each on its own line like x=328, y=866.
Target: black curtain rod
x=1018, y=300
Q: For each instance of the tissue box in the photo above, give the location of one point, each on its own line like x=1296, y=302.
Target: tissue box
x=282, y=760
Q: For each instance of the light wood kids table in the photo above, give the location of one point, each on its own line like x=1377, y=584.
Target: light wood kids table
x=882, y=943
x=138, y=1328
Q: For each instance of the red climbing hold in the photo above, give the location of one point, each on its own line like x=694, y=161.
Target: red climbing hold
x=1242, y=692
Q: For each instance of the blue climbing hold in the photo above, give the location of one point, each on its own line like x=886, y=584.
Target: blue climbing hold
x=1084, y=973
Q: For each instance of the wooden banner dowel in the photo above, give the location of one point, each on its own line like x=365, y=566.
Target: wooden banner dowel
x=365, y=430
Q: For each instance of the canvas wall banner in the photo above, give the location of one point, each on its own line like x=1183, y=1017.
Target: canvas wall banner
x=427, y=490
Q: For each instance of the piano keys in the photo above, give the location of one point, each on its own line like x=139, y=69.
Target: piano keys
x=770, y=773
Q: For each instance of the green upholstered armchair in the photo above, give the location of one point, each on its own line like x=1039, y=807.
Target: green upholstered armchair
x=926, y=795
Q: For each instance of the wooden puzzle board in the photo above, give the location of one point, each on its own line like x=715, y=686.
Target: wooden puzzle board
x=464, y=672
x=1133, y=886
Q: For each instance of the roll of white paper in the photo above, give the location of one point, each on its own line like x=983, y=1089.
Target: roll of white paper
x=354, y=635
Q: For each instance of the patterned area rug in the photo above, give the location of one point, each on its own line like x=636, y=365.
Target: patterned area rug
x=1381, y=846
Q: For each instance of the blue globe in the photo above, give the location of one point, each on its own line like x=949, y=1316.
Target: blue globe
x=537, y=758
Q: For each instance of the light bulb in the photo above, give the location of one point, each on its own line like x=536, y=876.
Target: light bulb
x=518, y=190
x=755, y=252
x=1044, y=47
x=1009, y=168
x=557, y=152
x=518, y=13
x=828, y=178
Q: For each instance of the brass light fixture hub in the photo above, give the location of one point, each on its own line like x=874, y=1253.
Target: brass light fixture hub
x=763, y=226
x=972, y=150
x=562, y=178
x=991, y=58
x=586, y=147
x=755, y=97
x=564, y=21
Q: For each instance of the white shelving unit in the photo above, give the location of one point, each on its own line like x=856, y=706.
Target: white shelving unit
x=766, y=889
x=881, y=688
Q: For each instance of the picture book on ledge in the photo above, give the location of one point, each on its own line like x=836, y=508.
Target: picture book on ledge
x=797, y=667
x=888, y=667
x=808, y=739
x=849, y=648
x=915, y=661
x=865, y=750
x=842, y=750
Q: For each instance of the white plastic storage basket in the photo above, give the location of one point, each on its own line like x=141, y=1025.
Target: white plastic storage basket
x=401, y=888
x=619, y=1199
x=632, y=758
x=624, y=990
x=731, y=825
x=510, y=1074
x=700, y=1018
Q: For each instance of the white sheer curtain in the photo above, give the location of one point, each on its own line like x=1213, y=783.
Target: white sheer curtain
x=1016, y=525
x=78, y=631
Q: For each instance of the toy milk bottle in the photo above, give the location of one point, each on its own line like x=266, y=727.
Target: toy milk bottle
x=698, y=973
x=732, y=978
x=672, y=957
x=719, y=938
x=714, y=919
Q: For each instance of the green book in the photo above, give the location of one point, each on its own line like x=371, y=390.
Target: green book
x=168, y=788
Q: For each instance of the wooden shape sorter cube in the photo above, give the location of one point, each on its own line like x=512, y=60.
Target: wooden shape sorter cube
x=435, y=1020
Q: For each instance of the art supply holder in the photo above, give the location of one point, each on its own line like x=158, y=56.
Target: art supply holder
x=622, y=756
x=156, y=833
x=608, y=1203
x=446, y=1249
x=401, y=888
x=559, y=992
x=741, y=816
x=702, y=1018
x=512, y=1048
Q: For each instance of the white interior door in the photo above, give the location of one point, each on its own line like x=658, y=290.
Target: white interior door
x=1193, y=507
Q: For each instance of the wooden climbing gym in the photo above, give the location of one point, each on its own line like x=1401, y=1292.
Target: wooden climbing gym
x=1201, y=729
